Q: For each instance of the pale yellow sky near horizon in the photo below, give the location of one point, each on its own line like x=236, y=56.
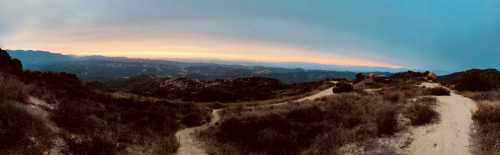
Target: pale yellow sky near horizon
x=200, y=49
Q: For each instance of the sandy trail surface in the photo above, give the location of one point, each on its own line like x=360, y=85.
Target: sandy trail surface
x=39, y=109
x=452, y=134
x=190, y=145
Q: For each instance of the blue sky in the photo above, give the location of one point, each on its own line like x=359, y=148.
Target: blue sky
x=446, y=35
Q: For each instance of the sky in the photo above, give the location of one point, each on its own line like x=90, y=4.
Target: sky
x=443, y=35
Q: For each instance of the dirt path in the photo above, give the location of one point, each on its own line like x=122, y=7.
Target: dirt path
x=40, y=109
x=320, y=94
x=451, y=135
x=189, y=145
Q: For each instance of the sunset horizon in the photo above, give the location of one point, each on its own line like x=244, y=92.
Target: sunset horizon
x=415, y=35
x=249, y=77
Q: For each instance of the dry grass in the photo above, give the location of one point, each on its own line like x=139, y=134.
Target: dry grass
x=488, y=119
x=92, y=122
x=483, y=96
x=321, y=126
x=11, y=88
x=108, y=125
x=20, y=132
x=422, y=112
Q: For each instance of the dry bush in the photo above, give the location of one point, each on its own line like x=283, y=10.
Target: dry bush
x=108, y=124
x=343, y=87
x=96, y=145
x=483, y=96
x=421, y=114
x=11, y=88
x=386, y=122
x=401, y=92
x=312, y=127
x=19, y=131
x=315, y=127
x=439, y=91
x=488, y=112
x=194, y=119
x=488, y=118
x=129, y=122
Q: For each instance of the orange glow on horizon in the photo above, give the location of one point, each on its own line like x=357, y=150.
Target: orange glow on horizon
x=203, y=49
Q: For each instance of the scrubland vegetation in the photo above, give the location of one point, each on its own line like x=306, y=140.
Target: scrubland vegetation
x=487, y=118
x=96, y=119
x=235, y=90
x=91, y=121
x=483, y=86
x=20, y=133
x=321, y=126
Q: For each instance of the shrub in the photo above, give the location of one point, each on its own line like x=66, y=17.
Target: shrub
x=386, y=122
x=17, y=128
x=343, y=87
x=393, y=97
x=439, y=91
x=95, y=145
x=305, y=114
x=10, y=88
x=193, y=120
x=314, y=127
x=421, y=114
x=487, y=113
x=483, y=96
x=488, y=118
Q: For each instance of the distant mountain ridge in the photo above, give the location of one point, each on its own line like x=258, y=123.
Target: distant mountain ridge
x=103, y=68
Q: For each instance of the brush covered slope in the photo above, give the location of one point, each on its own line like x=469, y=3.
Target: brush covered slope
x=325, y=125
x=473, y=80
x=240, y=89
x=56, y=113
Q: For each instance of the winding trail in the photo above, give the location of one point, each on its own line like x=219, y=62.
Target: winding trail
x=190, y=145
x=40, y=109
x=452, y=134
